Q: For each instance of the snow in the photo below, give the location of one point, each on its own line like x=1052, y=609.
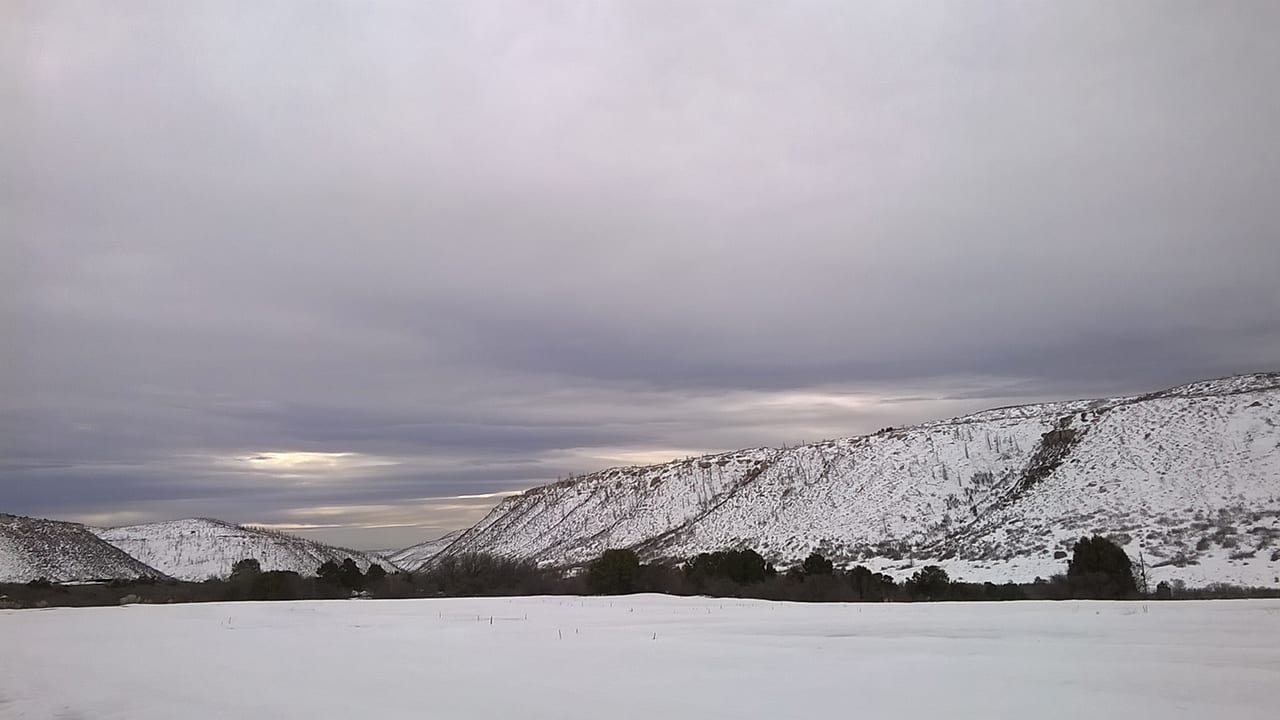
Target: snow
x=196, y=549
x=33, y=548
x=415, y=556
x=642, y=657
x=1189, y=479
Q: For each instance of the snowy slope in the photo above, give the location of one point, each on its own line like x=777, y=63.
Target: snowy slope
x=200, y=548
x=415, y=556
x=32, y=548
x=573, y=520
x=643, y=656
x=1188, y=479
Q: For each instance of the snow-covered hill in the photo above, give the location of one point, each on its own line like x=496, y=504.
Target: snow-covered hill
x=32, y=548
x=1187, y=479
x=415, y=556
x=200, y=548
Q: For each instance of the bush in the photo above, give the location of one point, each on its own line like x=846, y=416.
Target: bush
x=1099, y=569
x=246, y=569
x=929, y=583
x=614, y=573
x=481, y=574
x=276, y=585
x=870, y=585
x=816, y=564
x=743, y=567
x=330, y=574
x=986, y=591
x=349, y=575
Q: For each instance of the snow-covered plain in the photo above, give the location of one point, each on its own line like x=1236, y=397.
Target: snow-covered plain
x=642, y=657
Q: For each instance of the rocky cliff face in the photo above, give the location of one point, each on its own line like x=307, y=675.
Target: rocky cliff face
x=1187, y=479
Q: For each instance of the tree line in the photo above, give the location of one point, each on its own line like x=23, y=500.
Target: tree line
x=1096, y=569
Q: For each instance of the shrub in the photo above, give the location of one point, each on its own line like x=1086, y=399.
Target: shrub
x=870, y=585
x=481, y=574
x=276, y=585
x=744, y=567
x=929, y=583
x=349, y=575
x=614, y=573
x=816, y=564
x=329, y=573
x=246, y=569
x=1100, y=569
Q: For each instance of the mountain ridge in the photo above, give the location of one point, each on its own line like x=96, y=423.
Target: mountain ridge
x=952, y=491
x=419, y=554
x=1186, y=478
x=40, y=549
x=199, y=548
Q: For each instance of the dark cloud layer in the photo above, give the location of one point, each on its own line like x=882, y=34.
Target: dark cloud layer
x=335, y=267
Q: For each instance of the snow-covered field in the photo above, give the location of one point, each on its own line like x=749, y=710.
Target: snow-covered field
x=642, y=657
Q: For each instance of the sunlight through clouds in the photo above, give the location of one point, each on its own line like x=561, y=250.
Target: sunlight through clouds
x=302, y=464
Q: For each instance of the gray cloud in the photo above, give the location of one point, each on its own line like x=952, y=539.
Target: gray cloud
x=483, y=245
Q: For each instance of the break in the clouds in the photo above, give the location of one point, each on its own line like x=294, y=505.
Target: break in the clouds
x=360, y=268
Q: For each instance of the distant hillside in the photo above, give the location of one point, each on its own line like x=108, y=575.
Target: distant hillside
x=32, y=548
x=1187, y=479
x=413, y=557
x=197, y=549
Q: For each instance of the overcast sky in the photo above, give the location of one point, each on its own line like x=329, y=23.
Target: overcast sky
x=360, y=268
